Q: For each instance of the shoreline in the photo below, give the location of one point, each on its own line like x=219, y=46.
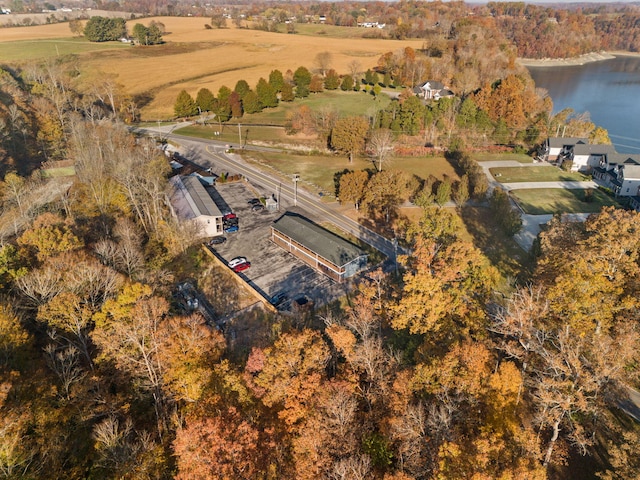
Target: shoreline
x=581, y=60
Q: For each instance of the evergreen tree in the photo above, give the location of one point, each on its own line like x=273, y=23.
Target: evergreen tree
x=368, y=77
x=251, y=103
x=223, y=110
x=347, y=83
x=332, y=80
x=185, y=106
x=386, y=82
x=276, y=80
x=242, y=87
x=302, y=80
x=205, y=100
x=266, y=94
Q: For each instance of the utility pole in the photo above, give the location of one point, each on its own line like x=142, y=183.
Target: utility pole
x=279, y=190
x=239, y=136
x=296, y=178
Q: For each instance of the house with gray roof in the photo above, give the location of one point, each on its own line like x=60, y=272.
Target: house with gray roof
x=432, y=90
x=318, y=247
x=192, y=203
x=556, y=148
x=585, y=157
x=621, y=173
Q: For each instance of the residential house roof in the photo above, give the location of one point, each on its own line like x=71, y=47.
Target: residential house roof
x=558, y=142
x=336, y=250
x=433, y=85
x=623, y=159
x=588, y=149
x=631, y=172
x=190, y=199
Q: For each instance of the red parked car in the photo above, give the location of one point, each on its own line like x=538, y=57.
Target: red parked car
x=241, y=267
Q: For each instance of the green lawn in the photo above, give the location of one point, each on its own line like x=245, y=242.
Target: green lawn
x=491, y=157
x=344, y=103
x=540, y=201
x=538, y=173
x=34, y=49
x=317, y=171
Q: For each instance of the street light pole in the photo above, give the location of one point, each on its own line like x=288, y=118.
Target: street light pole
x=239, y=136
x=296, y=177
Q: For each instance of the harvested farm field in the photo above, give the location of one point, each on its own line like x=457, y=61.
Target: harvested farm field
x=194, y=57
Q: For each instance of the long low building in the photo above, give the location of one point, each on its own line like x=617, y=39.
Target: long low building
x=318, y=247
x=192, y=203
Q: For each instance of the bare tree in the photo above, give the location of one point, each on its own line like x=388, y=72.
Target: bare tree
x=380, y=145
x=65, y=364
x=323, y=62
x=41, y=285
x=355, y=68
x=352, y=468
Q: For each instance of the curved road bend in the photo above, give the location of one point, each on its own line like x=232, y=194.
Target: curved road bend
x=208, y=149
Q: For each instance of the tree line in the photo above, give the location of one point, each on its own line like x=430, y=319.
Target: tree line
x=105, y=29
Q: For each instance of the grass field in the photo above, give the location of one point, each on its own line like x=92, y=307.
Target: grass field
x=541, y=173
x=538, y=201
x=490, y=157
x=317, y=171
x=195, y=58
x=35, y=49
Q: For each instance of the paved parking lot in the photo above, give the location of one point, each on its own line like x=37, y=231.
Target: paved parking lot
x=272, y=269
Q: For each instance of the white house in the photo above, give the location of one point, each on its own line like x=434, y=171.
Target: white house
x=621, y=173
x=586, y=157
x=192, y=203
x=432, y=90
x=556, y=148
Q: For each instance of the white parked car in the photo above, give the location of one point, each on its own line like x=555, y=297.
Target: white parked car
x=234, y=262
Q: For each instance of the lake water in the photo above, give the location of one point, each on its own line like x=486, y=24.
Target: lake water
x=609, y=90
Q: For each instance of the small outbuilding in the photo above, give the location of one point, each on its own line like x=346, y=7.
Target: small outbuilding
x=332, y=255
x=192, y=203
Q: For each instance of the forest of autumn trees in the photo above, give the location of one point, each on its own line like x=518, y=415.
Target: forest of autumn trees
x=441, y=371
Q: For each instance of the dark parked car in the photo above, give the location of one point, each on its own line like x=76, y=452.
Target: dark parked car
x=231, y=221
x=254, y=201
x=257, y=207
x=278, y=298
x=217, y=240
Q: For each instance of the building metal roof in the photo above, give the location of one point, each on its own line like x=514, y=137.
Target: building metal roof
x=190, y=192
x=336, y=250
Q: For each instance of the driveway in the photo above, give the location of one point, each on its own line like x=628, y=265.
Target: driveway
x=532, y=224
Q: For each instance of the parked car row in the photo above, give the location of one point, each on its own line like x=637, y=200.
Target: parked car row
x=239, y=264
x=230, y=222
